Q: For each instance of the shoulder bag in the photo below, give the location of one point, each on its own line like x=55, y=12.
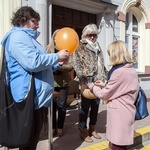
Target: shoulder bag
x=141, y=105
x=16, y=119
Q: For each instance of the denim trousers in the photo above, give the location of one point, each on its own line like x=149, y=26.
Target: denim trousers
x=59, y=105
x=88, y=107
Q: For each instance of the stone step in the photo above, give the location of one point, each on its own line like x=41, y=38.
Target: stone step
x=141, y=136
x=143, y=146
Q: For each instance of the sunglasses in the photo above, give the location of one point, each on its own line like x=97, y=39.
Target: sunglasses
x=92, y=35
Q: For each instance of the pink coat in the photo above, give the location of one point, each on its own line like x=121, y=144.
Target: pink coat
x=121, y=92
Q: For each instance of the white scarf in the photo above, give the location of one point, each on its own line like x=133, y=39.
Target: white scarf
x=100, y=63
x=95, y=45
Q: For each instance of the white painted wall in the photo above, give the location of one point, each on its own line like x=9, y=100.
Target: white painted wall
x=7, y=7
x=41, y=7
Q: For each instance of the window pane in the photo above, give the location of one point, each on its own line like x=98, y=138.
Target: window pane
x=135, y=51
x=127, y=40
x=135, y=24
x=127, y=21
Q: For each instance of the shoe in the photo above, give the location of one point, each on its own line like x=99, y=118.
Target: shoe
x=84, y=135
x=60, y=132
x=93, y=133
x=96, y=135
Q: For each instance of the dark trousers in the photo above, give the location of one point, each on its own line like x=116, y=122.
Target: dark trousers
x=36, y=133
x=86, y=105
x=59, y=104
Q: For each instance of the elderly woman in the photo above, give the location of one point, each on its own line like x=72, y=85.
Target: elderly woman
x=88, y=64
x=120, y=92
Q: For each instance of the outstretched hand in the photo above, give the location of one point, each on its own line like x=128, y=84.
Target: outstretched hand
x=90, y=85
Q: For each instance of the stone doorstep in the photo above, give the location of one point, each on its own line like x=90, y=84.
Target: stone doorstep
x=140, y=136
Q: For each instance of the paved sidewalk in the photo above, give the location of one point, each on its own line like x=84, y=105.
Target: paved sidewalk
x=71, y=139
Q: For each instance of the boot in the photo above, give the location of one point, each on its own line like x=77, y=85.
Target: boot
x=59, y=132
x=84, y=135
x=92, y=132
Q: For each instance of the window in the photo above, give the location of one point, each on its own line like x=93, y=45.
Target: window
x=135, y=24
x=132, y=37
x=135, y=51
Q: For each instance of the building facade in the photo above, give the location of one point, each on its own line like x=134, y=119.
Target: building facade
x=127, y=20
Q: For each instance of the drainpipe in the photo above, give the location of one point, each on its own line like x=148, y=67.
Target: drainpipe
x=41, y=7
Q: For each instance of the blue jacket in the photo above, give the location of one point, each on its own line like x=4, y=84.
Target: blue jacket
x=25, y=55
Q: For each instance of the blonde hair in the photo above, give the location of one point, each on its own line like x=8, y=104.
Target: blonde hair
x=90, y=28
x=118, y=53
x=51, y=46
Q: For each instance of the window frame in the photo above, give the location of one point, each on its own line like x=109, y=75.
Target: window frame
x=132, y=34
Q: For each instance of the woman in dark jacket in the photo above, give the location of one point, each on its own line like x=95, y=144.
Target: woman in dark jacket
x=61, y=84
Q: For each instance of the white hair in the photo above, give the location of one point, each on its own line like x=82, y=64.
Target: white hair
x=90, y=28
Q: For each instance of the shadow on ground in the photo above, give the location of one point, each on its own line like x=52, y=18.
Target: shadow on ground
x=71, y=139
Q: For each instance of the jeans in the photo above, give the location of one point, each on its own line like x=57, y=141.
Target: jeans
x=86, y=105
x=59, y=104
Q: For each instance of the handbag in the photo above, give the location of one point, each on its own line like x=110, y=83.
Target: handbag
x=16, y=119
x=141, y=105
x=85, y=91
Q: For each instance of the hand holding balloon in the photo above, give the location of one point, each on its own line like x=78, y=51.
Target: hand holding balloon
x=63, y=57
x=67, y=38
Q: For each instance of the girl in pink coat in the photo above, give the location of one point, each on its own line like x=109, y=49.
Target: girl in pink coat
x=120, y=92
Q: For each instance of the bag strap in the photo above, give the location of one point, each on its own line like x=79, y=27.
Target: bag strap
x=3, y=72
x=2, y=67
x=1, y=60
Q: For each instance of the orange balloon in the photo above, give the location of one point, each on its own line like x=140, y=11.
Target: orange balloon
x=67, y=38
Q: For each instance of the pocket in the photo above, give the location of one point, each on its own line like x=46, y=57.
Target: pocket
x=112, y=105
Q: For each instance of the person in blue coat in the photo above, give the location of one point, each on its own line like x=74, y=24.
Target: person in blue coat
x=25, y=55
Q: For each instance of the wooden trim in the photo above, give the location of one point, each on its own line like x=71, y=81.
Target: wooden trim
x=147, y=25
x=147, y=69
x=148, y=99
x=121, y=16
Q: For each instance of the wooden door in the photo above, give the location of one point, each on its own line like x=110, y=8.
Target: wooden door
x=66, y=17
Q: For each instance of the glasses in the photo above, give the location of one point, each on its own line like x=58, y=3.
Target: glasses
x=35, y=22
x=92, y=35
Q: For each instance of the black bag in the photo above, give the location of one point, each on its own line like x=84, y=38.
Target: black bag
x=16, y=119
x=141, y=105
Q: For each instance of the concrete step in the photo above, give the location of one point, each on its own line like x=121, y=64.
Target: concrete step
x=141, y=136
x=143, y=146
